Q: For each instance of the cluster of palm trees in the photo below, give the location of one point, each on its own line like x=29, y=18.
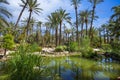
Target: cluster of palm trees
x=56, y=20
x=56, y=31
x=111, y=30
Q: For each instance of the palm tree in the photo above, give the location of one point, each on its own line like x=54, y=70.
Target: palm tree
x=25, y=2
x=82, y=21
x=4, y=13
x=94, y=3
x=33, y=6
x=115, y=22
x=31, y=24
x=67, y=32
x=76, y=3
x=62, y=16
x=39, y=24
x=104, y=31
x=100, y=36
x=53, y=19
x=116, y=14
x=87, y=15
x=73, y=30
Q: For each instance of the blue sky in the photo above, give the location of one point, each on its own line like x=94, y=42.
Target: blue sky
x=103, y=10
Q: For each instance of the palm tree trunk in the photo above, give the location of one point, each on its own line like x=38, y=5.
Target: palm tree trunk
x=104, y=37
x=60, y=33
x=100, y=38
x=91, y=25
x=21, y=14
x=77, y=37
x=56, y=35
x=5, y=50
x=30, y=14
x=86, y=22
x=82, y=31
x=107, y=37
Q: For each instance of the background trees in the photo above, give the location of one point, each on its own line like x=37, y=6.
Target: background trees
x=55, y=34
x=94, y=4
x=76, y=3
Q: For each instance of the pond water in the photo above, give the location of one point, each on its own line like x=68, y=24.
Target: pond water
x=75, y=68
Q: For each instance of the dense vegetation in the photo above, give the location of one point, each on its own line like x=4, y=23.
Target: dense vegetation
x=81, y=36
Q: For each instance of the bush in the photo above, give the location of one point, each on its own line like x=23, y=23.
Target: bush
x=73, y=47
x=107, y=47
x=87, y=52
x=35, y=48
x=60, y=48
x=23, y=65
x=39, y=49
x=8, y=41
x=85, y=48
x=116, y=47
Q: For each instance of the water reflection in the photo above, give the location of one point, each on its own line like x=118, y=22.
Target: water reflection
x=80, y=69
x=1, y=65
x=100, y=76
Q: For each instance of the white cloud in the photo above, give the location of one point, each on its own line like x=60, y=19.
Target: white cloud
x=48, y=6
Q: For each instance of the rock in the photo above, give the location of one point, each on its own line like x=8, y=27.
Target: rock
x=48, y=50
x=1, y=51
x=1, y=56
x=96, y=49
x=118, y=78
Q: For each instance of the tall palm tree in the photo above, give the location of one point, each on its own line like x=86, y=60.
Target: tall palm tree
x=94, y=4
x=76, y=3
x=67, y=32
x=33, y=6
x=31, y=24
x=39, y=24
x=104, y=31
x=25, y=2
x=62, y=16
x=4, y=13
x=54, y=20
x=82, y=21
x=87, y=15
x=116, y=10
x=100, y=36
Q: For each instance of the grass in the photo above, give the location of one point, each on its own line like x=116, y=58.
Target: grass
x=3, y=75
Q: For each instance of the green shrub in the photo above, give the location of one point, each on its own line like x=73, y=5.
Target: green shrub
x=60, y=48
x=95, y=42
x=85, y=48
x=107, y=47
x=73, y=46
x=23, y=65
x=8, y=41
x=39, y=49
x=35, y=48
x=116, y=47
x=87, y=52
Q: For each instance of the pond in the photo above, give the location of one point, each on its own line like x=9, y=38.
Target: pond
x=75, y=68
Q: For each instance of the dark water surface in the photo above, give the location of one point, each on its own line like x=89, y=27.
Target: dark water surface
x=75, y=68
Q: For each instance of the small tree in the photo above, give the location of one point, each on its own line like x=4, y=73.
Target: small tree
x=8, y=42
